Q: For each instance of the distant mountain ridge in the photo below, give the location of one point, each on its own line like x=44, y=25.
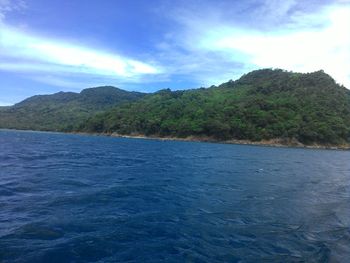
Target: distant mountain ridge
x=63, y=110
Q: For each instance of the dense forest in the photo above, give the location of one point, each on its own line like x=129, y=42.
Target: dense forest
x=261, y=105
x=64, y=110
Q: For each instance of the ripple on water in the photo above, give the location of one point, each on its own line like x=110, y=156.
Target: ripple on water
x=68, y=198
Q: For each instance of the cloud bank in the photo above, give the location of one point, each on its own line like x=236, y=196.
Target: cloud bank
x=304, y=50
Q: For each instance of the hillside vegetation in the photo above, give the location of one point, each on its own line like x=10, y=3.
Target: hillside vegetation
x=64, y=110
x=262, y=105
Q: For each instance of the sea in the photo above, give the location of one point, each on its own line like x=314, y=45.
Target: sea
x=78, y=198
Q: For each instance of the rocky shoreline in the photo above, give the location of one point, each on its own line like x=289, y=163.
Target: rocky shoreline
x=269, y=143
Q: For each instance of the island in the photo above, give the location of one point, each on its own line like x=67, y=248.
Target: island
x=267, y=106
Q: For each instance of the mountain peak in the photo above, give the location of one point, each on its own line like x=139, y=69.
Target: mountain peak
x=63, y=109
x=101, y=89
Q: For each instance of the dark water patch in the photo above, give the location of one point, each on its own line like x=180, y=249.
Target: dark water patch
x=36, y=231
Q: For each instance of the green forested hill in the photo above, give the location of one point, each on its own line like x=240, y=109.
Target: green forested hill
x=64, y=110
x=262, y=105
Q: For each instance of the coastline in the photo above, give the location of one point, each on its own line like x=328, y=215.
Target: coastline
x=281, y=143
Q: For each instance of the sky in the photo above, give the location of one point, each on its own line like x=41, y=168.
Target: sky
x=69, y=45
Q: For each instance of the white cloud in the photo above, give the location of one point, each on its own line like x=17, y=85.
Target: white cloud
x=63, y=64
x=326, y=48
x=25, y=52
x=206, y=47
x=214, y=44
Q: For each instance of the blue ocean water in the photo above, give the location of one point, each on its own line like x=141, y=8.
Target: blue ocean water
x=73, y=198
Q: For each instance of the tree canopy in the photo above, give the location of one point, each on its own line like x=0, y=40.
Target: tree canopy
x=264, y=104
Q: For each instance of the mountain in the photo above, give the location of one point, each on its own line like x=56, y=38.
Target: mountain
x=63, y=110
x=262, y=105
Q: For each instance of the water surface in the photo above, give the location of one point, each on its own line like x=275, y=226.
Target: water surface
x=71, y=198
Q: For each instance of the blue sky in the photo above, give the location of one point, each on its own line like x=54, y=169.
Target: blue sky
x=49, y=46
